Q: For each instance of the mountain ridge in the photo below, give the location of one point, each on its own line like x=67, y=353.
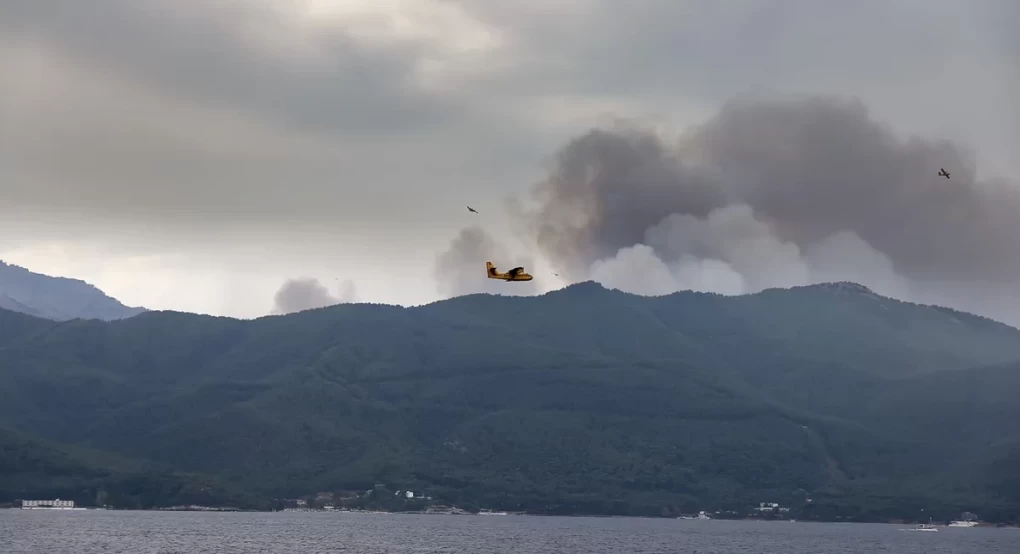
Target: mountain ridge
x=833, y=286
x=581, y=400
x=57, y=298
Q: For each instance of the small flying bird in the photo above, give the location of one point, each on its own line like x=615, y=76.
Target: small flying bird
x=470, y=209
x=943, y=173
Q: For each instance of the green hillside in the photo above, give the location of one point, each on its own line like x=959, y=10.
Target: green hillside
x=584, y=400
x=34, y=468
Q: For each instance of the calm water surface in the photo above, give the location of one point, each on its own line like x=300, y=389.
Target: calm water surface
x=95, y=532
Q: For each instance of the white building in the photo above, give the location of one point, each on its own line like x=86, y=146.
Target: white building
x=46, y=504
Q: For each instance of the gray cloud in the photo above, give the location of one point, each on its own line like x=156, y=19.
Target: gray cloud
x=915, y=64
x=780, y=193
x=239, y=55
x=307, y=293
x=743, y=45
x=250, y=114
x=227, y=114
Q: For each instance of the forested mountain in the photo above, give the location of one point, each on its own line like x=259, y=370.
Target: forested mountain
x=56, y=298
x=583, y=400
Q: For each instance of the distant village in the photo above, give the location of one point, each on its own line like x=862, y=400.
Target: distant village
x=380, y=500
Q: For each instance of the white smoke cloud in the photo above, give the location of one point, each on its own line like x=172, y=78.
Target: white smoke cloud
x=708, y=275
x=732, y=251
x=637, y=270
x=847, y=257
x=307, y=293
x=732, y=235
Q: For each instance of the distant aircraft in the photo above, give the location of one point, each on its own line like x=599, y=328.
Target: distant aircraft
x=470, y=209
x=515, y=274
x=943, y=173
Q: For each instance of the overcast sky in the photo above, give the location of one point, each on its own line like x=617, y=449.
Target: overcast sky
x=219, y=156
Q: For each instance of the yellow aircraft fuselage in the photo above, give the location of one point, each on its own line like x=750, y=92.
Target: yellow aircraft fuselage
x=512, y=275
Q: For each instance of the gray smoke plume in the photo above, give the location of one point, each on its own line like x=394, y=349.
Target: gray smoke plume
x=606, y=189
x=307, y=293
x=781, y=193
x=461, y=268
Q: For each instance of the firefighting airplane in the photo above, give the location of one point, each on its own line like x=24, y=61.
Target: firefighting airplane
x=515, y=274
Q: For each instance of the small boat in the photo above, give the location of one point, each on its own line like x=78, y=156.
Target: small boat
x=926, y=527
x=967, y=519
x=962, y=524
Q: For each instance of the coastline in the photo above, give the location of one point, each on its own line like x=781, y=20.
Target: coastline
x=460, y=512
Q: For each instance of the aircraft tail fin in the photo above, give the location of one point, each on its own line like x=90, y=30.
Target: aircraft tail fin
x=491, y=269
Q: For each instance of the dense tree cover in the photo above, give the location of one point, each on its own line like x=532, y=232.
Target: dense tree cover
x=32, y=468
x=829, y=399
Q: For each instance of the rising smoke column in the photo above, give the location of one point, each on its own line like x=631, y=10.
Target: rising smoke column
x=781, y=193
x=606, y=189
x=818, y=166
x=770, y=193
x=307, y=293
